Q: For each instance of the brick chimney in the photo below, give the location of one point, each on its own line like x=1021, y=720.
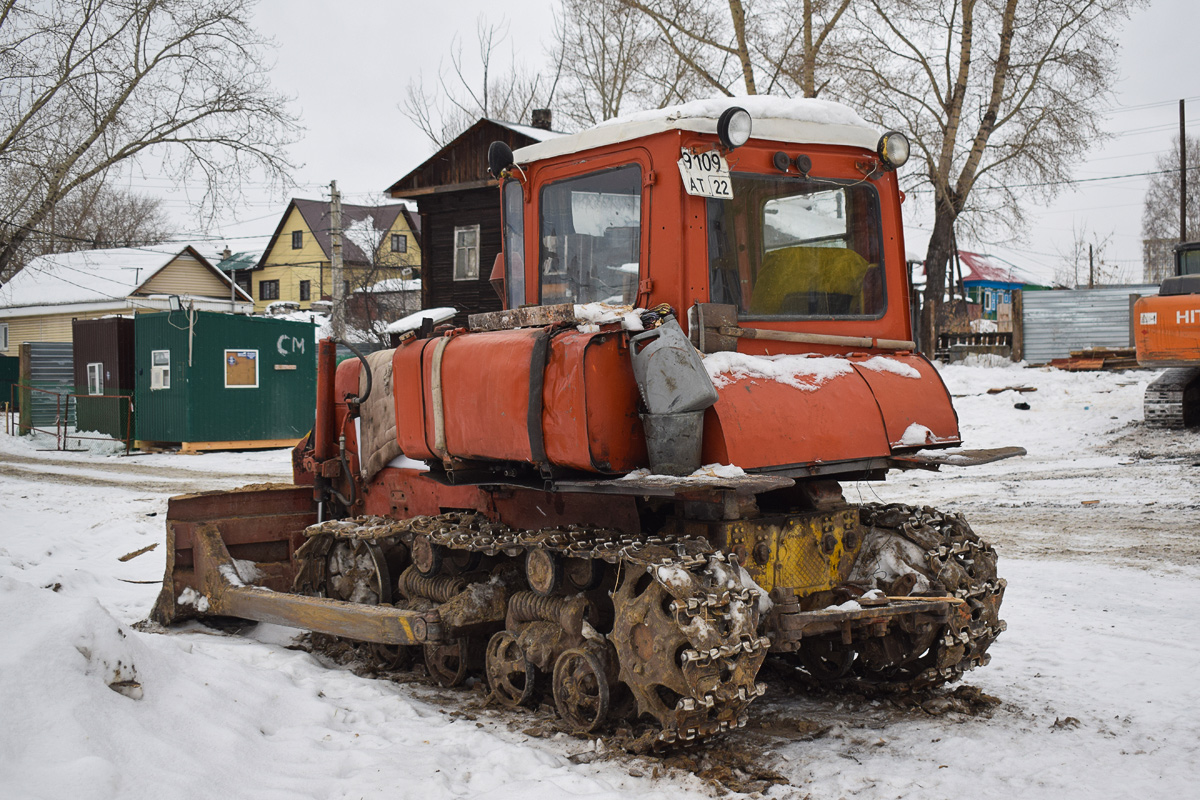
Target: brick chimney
x=541, y=118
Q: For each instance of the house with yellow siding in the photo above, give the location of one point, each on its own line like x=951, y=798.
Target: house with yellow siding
x=379, y=243
x=41, y=300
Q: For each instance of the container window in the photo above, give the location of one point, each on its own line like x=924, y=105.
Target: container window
x=241, y=369
x=160, y=369
x=466, y=253
x=591, y=237
x=95, y=372
x=514, y=243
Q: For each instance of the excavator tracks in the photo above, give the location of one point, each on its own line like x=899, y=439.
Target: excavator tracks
x=1173, y=399
x=655, y=627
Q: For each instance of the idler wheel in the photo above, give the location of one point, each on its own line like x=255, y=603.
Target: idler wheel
x=447, y=662
x=357, y=572
x=581, y=691
x=824, y=659
x=392, y=657
x=509, y=673
x=583, y=574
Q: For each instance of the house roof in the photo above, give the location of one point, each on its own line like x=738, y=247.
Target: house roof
x=245, y=259
x=316, y=217
x=462, y=163
x=88, y=276
x=980, y=268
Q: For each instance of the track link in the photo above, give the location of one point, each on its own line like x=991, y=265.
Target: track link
x=1173, y=399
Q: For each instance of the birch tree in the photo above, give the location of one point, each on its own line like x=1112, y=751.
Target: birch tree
x=95, y=87
x=1160, y=210
x=999, y=97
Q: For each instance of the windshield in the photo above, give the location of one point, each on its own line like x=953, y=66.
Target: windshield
x=792, y=247
x=591, y=237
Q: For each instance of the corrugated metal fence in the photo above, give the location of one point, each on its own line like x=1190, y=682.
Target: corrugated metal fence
x=1057, y=322
x=52, y=368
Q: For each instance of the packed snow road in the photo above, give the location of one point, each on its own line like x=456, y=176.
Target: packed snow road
x=1093, y=681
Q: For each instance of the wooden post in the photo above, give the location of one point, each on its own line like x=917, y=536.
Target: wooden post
x=1183, y=231
x=1018, y=325
x=25, y=379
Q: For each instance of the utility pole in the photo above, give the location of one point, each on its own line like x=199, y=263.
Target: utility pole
x=1091, y=269
x=1183, y=231
x=338, y=323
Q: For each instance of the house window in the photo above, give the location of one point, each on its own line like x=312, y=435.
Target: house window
x=160, y=369
x=399, y=243
x=305, y=291
x=4, y=336
x=95, y=372
x=241, y=369
x=268, y=290
x=466, y=253
x=345, y=288
x=297, y=240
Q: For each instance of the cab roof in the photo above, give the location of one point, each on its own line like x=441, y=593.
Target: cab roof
x=795, y=120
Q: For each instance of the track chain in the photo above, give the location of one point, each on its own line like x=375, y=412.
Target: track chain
x=711, y=606
x=961, y=565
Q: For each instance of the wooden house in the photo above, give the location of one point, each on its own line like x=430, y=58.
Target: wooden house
x=459, y=205
x=41, y=301
x=378, y=243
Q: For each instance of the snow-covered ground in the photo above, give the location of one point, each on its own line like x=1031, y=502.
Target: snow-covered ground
x=1094, y=677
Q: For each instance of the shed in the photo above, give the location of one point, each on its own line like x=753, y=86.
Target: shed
x=215, y=381
x=459, y=205
x=1058, y=322
x=104, y=375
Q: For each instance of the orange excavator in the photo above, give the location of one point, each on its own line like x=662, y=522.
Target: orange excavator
x=624, y=489
x=1167, y=334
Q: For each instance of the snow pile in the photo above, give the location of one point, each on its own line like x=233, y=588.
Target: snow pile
x=592, y=315
x=707, y=474
x=806, y=373
x=100, y=444
x=414, y=320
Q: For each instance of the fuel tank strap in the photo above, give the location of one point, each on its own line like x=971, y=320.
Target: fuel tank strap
x=537, y=375
x=439, y=409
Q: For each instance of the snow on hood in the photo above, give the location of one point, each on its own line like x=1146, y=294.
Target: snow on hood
x=885, y=364
x=821, y=112
x=806, y=373
x=413, y=321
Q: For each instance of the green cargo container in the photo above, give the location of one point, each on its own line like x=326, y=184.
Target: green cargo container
x=206, y=377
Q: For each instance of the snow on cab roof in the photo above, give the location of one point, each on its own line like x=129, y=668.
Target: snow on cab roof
x=784, y=119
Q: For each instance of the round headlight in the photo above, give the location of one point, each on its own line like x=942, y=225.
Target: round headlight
x=733, y=128
x=893, y=148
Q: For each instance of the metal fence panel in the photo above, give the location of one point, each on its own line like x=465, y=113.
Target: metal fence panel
x=1057, y=322
x=52, y=367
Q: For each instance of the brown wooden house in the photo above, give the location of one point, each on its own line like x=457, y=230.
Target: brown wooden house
x=459, y=205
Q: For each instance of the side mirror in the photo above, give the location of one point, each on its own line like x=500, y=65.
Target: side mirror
x=500, y=158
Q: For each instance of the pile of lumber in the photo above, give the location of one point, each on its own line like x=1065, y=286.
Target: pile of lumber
x=1098, y=358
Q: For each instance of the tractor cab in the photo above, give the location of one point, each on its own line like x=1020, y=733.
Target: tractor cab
x=774, y=216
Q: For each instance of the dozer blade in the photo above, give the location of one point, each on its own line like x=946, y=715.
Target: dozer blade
x=261, y=527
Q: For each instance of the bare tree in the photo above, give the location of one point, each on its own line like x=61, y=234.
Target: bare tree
x=612, y=60
x=465, y=91
x=93, y=86
x=1160, y=210
x=99, y=216
x=1086, y=263
x=999, y=96
x=382, y=282
x=768, y=47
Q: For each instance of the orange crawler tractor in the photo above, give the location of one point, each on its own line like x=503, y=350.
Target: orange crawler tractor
x=524, y=498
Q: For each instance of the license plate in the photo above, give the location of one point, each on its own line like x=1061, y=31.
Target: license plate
x=705, y=174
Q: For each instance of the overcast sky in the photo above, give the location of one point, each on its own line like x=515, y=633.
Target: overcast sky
x=347, y=72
